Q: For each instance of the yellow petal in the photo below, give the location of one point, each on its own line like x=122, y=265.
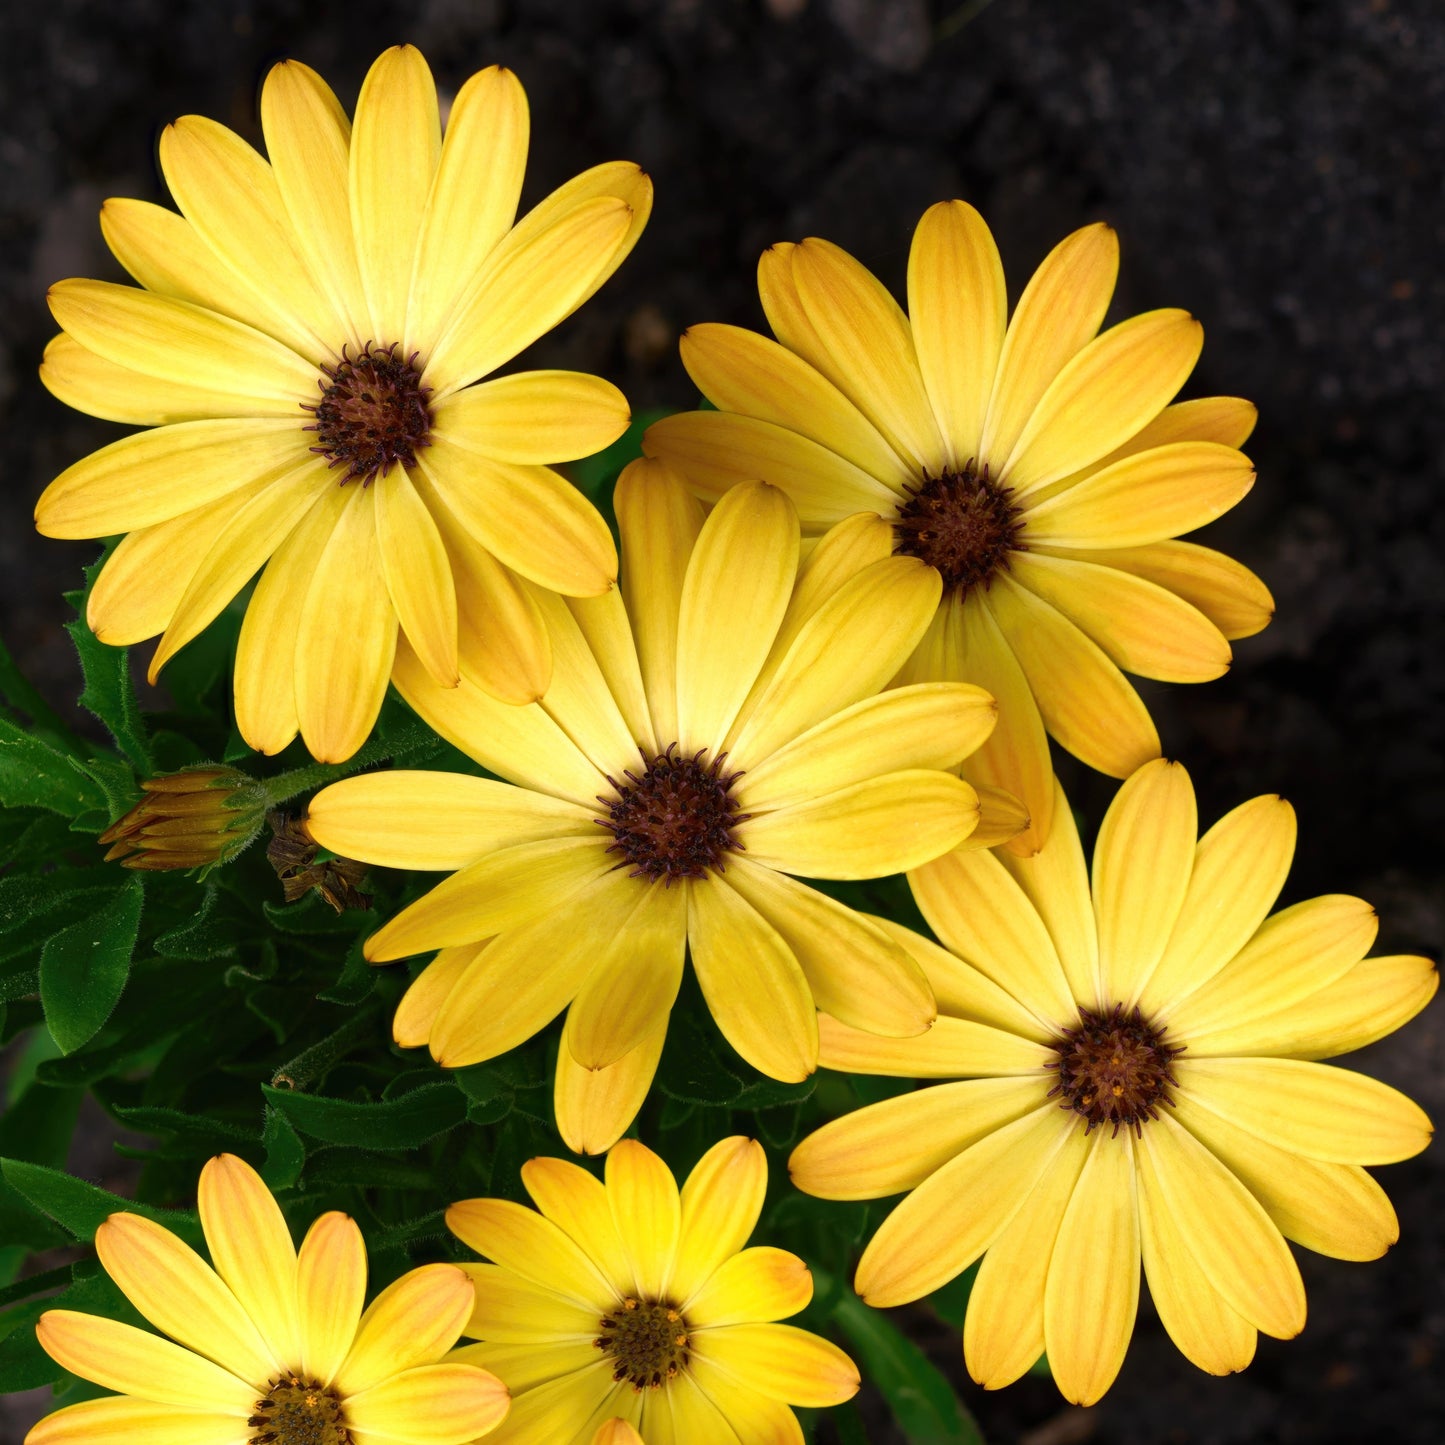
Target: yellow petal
x=1373, y=999
x=121, y=1421
x=229, y=194
x=757, y=1285
x=722, y=1199
x=575, y=1200
x=1092, y=1292
x=414, y=1321
x=530, y=1246
x=958, y=306
x=1316, y=1110
x=535, y=417
x=1335, y=1209
x=416, y=1014
x=928, y=725
x=1145, y=498
x=1114, y=386
x=556, y=1409
x=893, y=1146
x=738, y=582
x=308, y=140
x=752, y=982
x=846, y=651
x=880, y=826
x=660, y=523
x=510, y=1310
x=648, y=1213
x=347, y=636
x=854, y=969
x=180, y=1294
x=265, y=672
x=1294, y=954
x=1239, y=867
x=246, y=543
x=717, y=450
x=606, y=629
x=505, y=889
x=1228, y=420
x=418, y=575
x=748, y=1414
x=1084, y=700
x=1143, y=628
x=1059, y=311
x=950, y=1049
x=595, y=1107
x=445, y=1404
x=531, y=518
x=1143, y=859
x=524, y=1367
x=979, y=912
x=251, y=1248
x=1225, y=591
x=395, y=147
x=330, y=1291
x=529, y=283
x=120, y=1357
x=1056, y=881
x=1003, y=1331
x=473, y=199
x=155, y=475
x=617, y=1432
x=784, y=1362
x=634, y=981
x=740, y=371
x=1230, y=1236
x=869, y=348
x=958, y=1211
x=1209, y=1332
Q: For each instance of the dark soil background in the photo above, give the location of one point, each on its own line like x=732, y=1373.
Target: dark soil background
x=1275, y=167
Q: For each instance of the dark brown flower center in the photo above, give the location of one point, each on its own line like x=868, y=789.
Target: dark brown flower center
x=298, y=1412
x=1115, y=1067
x=373, y=413
x=961, y=522
x=676, y=819
x=646, y=1342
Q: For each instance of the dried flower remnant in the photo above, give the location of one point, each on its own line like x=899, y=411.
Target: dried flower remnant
x=302, y=865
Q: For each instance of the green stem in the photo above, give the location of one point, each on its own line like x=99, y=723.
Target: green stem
x=285, y=786
x=312, y=1063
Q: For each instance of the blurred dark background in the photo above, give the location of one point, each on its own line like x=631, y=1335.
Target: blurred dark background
x=1274, y=167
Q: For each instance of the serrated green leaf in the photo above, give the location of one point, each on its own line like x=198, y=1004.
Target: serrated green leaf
x=109, y=693
x=83, y=968
x=116, y=781
x=387, y=1124
x=80, y=1208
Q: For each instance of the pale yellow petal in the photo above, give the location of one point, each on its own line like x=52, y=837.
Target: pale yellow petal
x=575, y=1200
x=595, y=1107
x=1092, y=1293
x=416, y=1014
x=952, y=1048
x=118, y=1420
x=529, y=1245
x=1143, y=860
x=395, y=147
x=535, y=417
x=647, y=1211
x=1059, y=311
x=958, y=1211
x=1239, y=867
x=524, y=1367
x=893, y=1146
x=556, y=1409
x=441, y=1404
x=782, y=1361
x=418, y=575
x=515, y=1311
x=473, y=199
x=756, y=1285
x=749, y=1414
x=722, y=1199
x=414, y=1321
x=958, y=306
x=607, y=630
x=330, y=1292
x=752, y=982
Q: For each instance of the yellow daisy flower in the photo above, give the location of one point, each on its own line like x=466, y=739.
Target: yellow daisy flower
x=271, y=1347
x=626, y=1311
x=1137, y=1081
x=1035, y=464
x=305, y=343
x=712, y=728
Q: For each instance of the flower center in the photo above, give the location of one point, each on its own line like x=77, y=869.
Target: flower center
x=677, y=819
x=1115, y=1067
x=647, y=1342
x=298, y=1412
x=373, y=413
x=961, y=522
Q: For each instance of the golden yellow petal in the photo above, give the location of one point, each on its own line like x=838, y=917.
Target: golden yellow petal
x=330, y=1291
x=510, y=1310
x=951, y=1048
x=738, y=1412
x=595, y=1107
x=524, y=1367
x=607, y=630
x=532, y=1247
x=443, y=1404
x=118, y=1420
x=414, y=1321
x=575, y=1200
x=722, y=1199
x=558, y=1408
x=416, y=1014
x=782, y=1361
x=535, y=417
x=647, y=1211
x=418, y=575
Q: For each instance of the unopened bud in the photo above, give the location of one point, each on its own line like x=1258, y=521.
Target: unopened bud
x=199, y=817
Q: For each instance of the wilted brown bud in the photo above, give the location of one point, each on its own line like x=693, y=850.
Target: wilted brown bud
x=199, y=817
x=301, y=865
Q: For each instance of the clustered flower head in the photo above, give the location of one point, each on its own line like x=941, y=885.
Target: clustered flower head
x=851, y=604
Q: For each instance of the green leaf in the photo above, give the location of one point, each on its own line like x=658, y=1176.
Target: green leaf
x=285, y=1153
x=116, y=781
x=921, y=1399
x=17, y=690
x=109, y=693
x=203, y=936
x=83, y=968
x=80, y=1208
x=390, y=1124
x=35, y=775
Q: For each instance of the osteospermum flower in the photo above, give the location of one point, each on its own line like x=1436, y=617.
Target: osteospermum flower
x=271, y=1346
x=1137, y=1081
x=623, y=1311
x=1034, y=464
x=711, y=729
x=305, y=343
